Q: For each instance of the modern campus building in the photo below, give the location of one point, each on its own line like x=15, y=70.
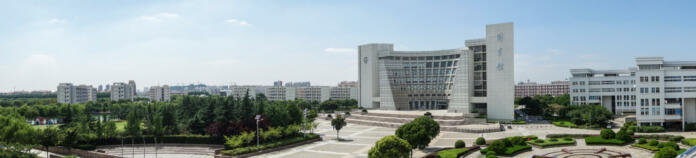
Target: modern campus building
x=123, y=91
x=478, y=77
x=311, y=93
x=240, y=91
x=159, y=93
x=661, y=93
x=531, y=89
x=70, y=94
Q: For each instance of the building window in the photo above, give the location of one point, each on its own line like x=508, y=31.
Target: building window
x=673, y=78
x=689, y=78
x=673, y=89
x=643, y=79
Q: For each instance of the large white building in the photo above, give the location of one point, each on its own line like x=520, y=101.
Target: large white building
x=70, y=94
x=159, y=93
x=480, y=76
x=240, y=91
x=311, y=93
x=661, y=93
x=123, y=91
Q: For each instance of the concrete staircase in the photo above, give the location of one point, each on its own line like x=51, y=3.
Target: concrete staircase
x=447, y=123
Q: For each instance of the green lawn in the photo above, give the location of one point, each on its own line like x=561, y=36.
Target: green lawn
x=689, y=141
x=451, y=153
x=548, y=142
x=121, y=126
x=647, y=147
x=563, y=123
x=600, y=140
x=40, y=127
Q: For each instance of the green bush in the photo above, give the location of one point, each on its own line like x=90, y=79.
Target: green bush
x=642, y=141
x=11, y=154
x=490, y=154
x=516, y=148
x=498, y=146
x=347, y=113
x=600, y=140
x=607, y=134
x=646, y=147
x=564, y=124
x=549, y=142
x=668, y=144
x=364, y=110
x=390, y=146
x=649, y=129
x=663, y=137
x=690, y=127
x=459, y=144
x=622, y=135
x=567, y=135
x=480, y=141
x=666, y=153
x=274, y=144
x=653, y=142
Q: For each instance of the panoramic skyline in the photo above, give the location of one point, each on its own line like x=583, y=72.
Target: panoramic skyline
x=258, y=42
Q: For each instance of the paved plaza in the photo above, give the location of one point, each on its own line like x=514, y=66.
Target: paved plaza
x=361, y=138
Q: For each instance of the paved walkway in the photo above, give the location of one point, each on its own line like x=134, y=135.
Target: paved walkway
x=163, y=151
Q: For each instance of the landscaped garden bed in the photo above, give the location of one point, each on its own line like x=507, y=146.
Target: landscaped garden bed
x=689, y=141
x=509, y=146
x=598, y=140
x=552, y=142
x=453, y=152
x=269, y=146
x=563, y=123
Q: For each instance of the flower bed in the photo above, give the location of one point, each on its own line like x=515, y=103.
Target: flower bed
x=552, y=142
x=599, y=140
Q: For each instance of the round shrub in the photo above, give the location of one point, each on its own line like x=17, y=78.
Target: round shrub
x=498, y=146
x=668, y=145
x=364, y=110
x=480, y=141
x=666, y=153
x=607, y=134
x=428, y=114
x=642, y=141
x=653, y=142
x=347, y=113
x=459, y=144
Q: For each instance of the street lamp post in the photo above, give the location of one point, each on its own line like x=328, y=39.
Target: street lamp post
x=258, y=144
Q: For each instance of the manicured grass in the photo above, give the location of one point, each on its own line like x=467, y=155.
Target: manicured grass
x=680, y=151
x=45, y=126
x=451, y=153
x=121, y=126
x=275, y=144
x=514, y=149
x=646, y=146
x=689, y=141
x=563, y=123
x=548, y=142
x=600, y=140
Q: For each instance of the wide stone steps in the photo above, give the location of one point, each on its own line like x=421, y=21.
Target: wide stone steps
x=397, y=122
x=415, y=116
x=463, y=121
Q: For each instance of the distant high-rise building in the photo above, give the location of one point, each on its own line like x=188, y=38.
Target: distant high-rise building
x=108, y=88
x=348, y=84
x=343, y=93
x=530, y=89
x=278, y=83
x=69, y=94
x=298, y=84
x=159, y=93
x=100, y=89
x=123, y=91
x=132, y=84
x=241, y=91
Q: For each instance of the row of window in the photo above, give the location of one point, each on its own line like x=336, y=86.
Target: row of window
x=649, y=78
x=647, y=102
x=422, y=58
x=608, y=82
x=646, y=90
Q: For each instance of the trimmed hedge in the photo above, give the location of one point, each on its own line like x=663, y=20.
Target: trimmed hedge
x=649, y=129
x=600, y=140
x=5, y=153
x=279, y=143
x=664, y=137
x=646, y=147
x=569, y=135
x=564, y=124
x=550, y=142
x=517, y=148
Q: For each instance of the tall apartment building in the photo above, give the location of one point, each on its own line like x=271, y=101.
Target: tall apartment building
x=70, y=94
x=280, y=93
x=278, y=83
x=343, y=93
x=459, y=80
x=240, y=91
x=159, y=93
x=531, y=89
x=123, y=91
x=298, y=84
x=662, y=93
x=313, y=93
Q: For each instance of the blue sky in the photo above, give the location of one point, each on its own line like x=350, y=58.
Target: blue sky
x=43, y=43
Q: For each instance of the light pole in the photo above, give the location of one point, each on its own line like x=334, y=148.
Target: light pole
x=258, y=144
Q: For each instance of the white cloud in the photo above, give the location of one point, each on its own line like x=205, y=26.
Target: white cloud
x=238, y=22
x=340, y=50
x=56, y=21
x=159, y=17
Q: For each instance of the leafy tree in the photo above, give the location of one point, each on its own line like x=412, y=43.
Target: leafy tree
x=532, y=106
x=338, y=123
x=415, y=134
x=110, y=129
x=480, y=141
x=390, y=146
x=48, y=137
x=431, y=126
x=497, y=146
x=459, y=144
x=133, y=126
x=607, y=134
x=158, y=128
x=666, y=152
x=15, y=133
